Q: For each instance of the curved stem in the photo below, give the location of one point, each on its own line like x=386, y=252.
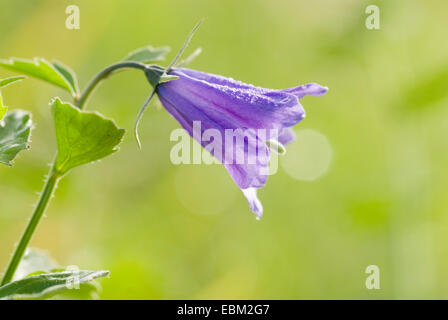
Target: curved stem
x=38, y=212
x=102, y=75
x=54, y=176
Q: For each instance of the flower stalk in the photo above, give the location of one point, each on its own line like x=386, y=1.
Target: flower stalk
x=105, y=73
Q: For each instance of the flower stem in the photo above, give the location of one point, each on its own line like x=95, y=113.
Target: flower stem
x=54, y=176
x=38, y=212
x=102, y=75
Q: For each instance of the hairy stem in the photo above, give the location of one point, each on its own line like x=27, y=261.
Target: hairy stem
x=54, y=176
x=42, y=204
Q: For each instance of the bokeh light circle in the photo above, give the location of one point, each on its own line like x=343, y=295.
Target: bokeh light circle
x=308, y=157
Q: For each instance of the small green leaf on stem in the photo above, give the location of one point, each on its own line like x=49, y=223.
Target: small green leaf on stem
x=3, y=83
x=48, y=284
x=68, y=74
x=15, y=132
x=82, y=136
x=40, y=69
x=148, y=54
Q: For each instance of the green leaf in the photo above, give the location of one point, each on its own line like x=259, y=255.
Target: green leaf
x=33, y=261
x=15, y=132
x=87, y=291
x=41, y=69
x=48, y=284
x=7, y=81
x=148, y=54
x=37, y=262
x=82, y=137
x=3, y=109
x=4, y=83
x=68, y=74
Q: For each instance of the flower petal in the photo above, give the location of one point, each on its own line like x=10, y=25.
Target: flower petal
x=224, y=104
x=245, y=156
x=312, y=89
x=220, y=80
x=286, y=136
x=254, y=204
x=245, y=106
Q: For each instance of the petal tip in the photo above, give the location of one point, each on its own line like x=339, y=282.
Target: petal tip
x=313, y=89
x=316, y=89
x=255, y=205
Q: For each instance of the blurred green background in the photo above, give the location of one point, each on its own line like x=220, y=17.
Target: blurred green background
x=186, y=232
